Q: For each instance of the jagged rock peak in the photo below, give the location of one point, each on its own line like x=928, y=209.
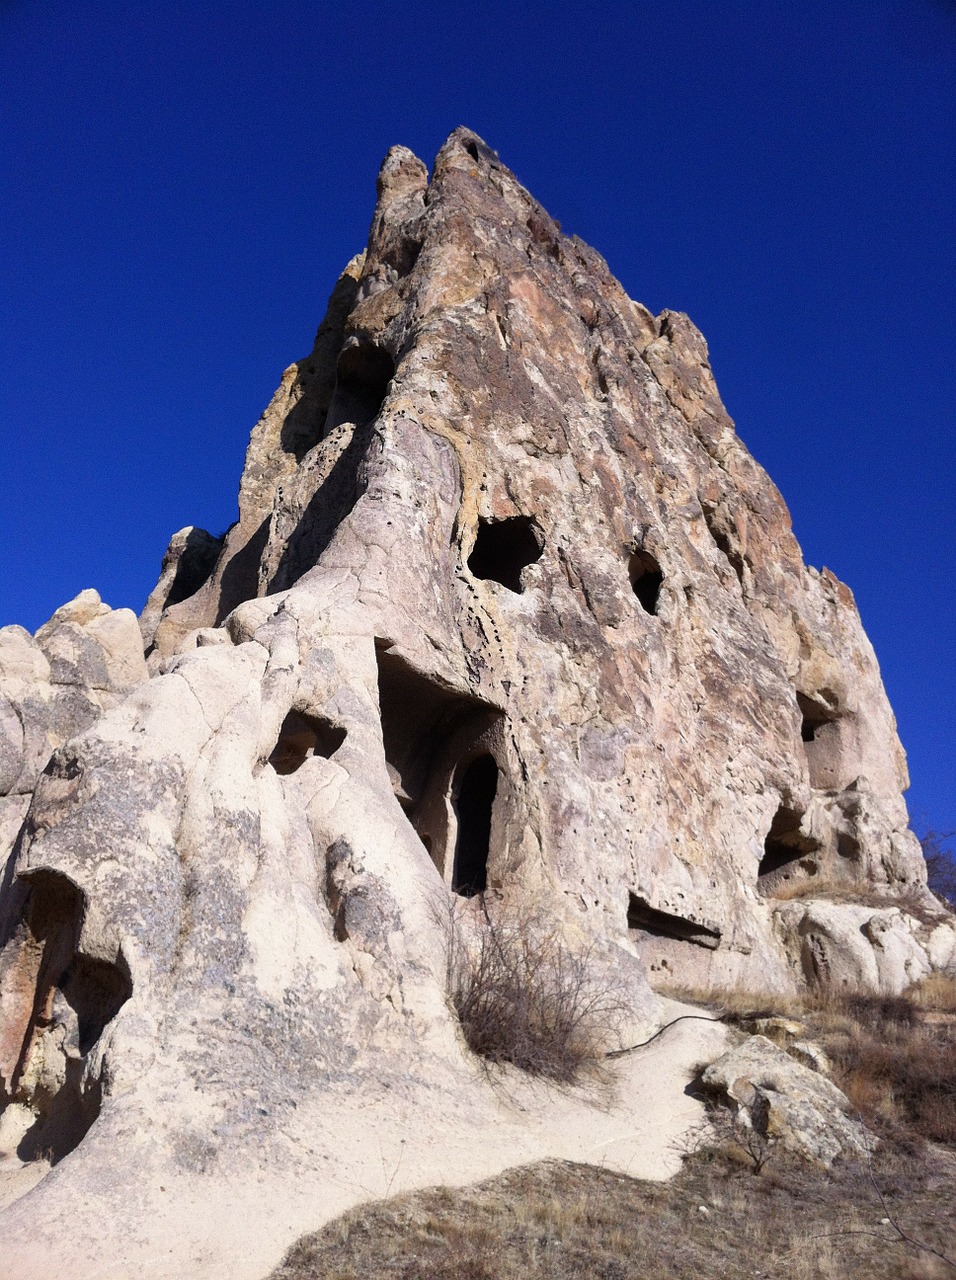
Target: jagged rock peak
x=509, y=618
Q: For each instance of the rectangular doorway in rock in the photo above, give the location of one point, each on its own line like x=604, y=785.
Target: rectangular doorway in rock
x=474, y=802
x=789, y=855
x=827, y=740
x=443, y=748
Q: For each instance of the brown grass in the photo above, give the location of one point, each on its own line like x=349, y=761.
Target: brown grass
x=894, y=1057
x=558, y=1221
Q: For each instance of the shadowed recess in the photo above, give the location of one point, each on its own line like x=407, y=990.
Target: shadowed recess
x=646, y=580
x=427, y=729
x=473, y=805
x=644, y=918
x=787, y=852
x=302, y=736
x=363, y=374
x=503, y=548
x=816, y=713
x=75, y=997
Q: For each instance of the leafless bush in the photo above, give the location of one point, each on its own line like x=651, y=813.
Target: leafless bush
x=940, y=864
x=523, y=996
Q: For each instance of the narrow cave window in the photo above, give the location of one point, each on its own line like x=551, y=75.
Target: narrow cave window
x=476, y=798
x=643, y=918
x=815, y=714
x=302, y=736
x=787, y=852
x=646, y=579
x=362, y=378
x=503, y=548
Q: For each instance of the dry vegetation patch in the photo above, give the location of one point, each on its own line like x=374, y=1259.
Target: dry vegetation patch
x=524, y=997
x=559, y=1221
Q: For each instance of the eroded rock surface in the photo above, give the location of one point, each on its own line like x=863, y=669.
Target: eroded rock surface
x=508, y=608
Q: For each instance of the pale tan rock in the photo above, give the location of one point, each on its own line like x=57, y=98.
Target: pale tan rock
x=786, y=1101
x=509, y=606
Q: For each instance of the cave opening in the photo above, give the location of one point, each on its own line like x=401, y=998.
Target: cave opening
x=503, y=548
x=428, y=730
x=643, y=918
x=75, y=997
x=302, y=736
x=788, y=853
x=362, y=377
x=815, y=714
x=646, y=578
x=473, y=806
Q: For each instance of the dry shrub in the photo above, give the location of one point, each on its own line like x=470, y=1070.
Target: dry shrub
x=524, y=997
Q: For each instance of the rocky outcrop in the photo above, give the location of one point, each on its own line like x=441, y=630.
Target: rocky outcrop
x=782, y=1101
x=508, y=608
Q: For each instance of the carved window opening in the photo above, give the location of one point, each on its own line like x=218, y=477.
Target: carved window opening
x=646, y=580
x=75, y=997
x=363, y=374
x=302, y=736
x=645, y=919
x=816, y=713
x=503, y=548
x=789, y=855
x=827, y=740
x=473, y=807
x=428, y=731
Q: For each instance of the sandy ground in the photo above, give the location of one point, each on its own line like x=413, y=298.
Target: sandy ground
x=212, y=1228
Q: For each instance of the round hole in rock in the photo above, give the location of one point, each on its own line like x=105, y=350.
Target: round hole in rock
x=646, y=579
x=503, y=548
x=473, y=806
x=302, y=736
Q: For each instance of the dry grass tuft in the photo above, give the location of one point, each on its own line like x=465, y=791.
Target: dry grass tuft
x=525, y=998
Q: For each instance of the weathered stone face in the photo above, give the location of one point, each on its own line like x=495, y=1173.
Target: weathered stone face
x=508, y=608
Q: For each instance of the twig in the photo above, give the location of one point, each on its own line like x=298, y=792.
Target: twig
x=684, y=1017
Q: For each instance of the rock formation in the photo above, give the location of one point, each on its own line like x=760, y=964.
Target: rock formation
x=508, y=608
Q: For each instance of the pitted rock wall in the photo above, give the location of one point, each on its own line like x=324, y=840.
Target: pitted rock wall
x=508, y=608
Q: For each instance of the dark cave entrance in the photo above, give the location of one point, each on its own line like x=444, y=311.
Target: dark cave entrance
x=646, y=580
x=814, y=715
x=302, y=736
x=362, y=377
x=645, y=919
x=438, y=743
x=503, y=548
x=75, y=997
x=788, y=854
x=473, y=807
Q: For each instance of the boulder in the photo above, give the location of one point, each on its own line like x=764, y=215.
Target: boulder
x=786, y=1102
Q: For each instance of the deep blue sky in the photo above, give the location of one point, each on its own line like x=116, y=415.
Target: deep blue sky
x=184, y=182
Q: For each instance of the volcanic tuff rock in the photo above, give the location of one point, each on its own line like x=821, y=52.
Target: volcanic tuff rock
x=508, y=607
